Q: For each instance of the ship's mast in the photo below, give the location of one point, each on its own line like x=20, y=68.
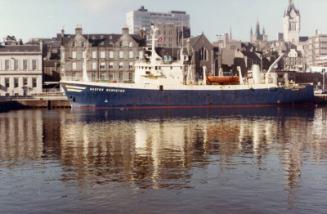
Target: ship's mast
x=154, y=55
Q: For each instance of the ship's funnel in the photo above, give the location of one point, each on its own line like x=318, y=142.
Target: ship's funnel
x=256, y=74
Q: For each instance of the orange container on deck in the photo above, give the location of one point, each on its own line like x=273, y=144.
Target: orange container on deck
x=223, y=80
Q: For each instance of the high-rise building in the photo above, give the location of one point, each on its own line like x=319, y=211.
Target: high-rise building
x=292, y=24
x=142, y=19
x=173, y=26
x=316, y=50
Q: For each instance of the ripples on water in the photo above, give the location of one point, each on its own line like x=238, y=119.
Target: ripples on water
x=164, y=161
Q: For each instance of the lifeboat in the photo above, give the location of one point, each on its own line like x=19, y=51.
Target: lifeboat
x=223, y=80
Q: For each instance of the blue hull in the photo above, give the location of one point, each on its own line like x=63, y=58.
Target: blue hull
x=111, y=97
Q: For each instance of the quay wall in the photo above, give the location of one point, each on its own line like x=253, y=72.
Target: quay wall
x=15, y=104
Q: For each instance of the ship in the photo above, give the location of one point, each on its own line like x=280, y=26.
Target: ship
x=161, y=84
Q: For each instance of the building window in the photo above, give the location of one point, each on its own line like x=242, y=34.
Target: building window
x=111, y=54
x=34, y=83
x=33, y=64
x=94, y=66
x=102, y=65
x=7, y=82
x=16, y=83
x=130, y=76
x=102, y=54
x=120, y=76
x=131, y=44
x=74, y=66
x=111, y=65
x=131, y=54
x=121, y=54
x=25, y=64
x=130, y=66
x=111, y=77
x=24, y=81
x=15, y=64
x=93, y=75
x=121, y=65
x=203, y=54
x=74, y=55
x=94, y=54
x=7, y=64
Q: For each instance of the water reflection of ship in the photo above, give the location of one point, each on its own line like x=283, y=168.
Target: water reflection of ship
x=151, y=152
x=154, y=151
x=128, y=115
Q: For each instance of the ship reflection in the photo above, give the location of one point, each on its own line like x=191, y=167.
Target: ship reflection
x=158, y=149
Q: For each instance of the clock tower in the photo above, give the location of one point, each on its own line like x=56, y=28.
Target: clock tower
x=292, y=24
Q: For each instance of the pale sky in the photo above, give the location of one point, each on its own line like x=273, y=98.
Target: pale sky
x=44, y=18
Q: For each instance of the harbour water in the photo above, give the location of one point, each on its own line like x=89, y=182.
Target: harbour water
x=265, y=160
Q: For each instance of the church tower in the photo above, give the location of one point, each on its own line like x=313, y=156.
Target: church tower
x=292, y=24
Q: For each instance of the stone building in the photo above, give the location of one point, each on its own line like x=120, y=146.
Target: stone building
x=294, y=61
x=109, y=57
x=258, y=35
x=228, y=49
x=20, y=69
x=292, y=24
x=51, y=58
x=202, y=54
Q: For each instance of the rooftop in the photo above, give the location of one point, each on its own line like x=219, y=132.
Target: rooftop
x=20, y=48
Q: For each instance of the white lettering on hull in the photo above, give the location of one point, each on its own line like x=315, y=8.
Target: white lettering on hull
x=108, y=90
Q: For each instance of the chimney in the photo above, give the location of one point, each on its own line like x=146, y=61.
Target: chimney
x=125, y=31
x=41, y=47
x=78, y=30
x=142, y=34
x=62, y=33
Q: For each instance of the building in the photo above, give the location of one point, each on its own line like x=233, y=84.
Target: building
x=258, y=35
x=107, y=57
x=51, y=59
x=202, y=54
x=142, y=19
x=316, y=50
x=20, y=68
x=291, y=24
x=173, y=26
x=169, y=36
x=294, y=61
x=228, y=49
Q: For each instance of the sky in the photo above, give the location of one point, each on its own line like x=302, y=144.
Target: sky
x=45, y=18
